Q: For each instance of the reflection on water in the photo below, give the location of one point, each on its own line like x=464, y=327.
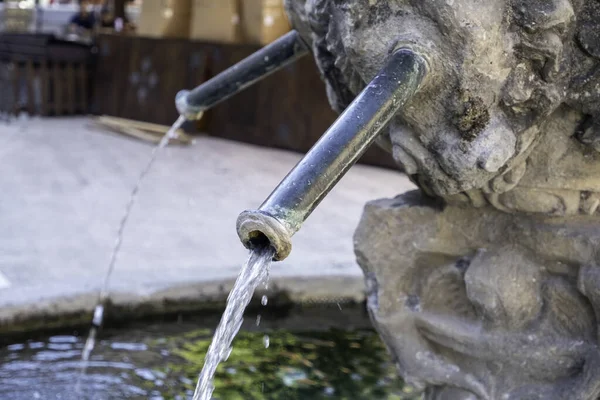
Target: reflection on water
x=310, y=365
x=160, y=361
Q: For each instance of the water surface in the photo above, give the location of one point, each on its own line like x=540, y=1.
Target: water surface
x=309, y=357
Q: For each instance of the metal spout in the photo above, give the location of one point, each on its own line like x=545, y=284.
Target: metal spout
x=252, y=69
x=301, y=191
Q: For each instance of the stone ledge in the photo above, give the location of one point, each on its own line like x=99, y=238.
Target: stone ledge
x=205, y=297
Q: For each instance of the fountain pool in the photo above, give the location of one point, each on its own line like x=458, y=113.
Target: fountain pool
x=315, y=352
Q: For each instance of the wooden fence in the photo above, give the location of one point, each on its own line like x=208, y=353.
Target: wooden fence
x=44, y=76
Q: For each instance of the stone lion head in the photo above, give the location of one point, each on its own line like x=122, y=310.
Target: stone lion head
x=499, y=70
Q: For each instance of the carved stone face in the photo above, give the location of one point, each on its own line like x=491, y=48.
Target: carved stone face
x=499, y=68
x=455, y=134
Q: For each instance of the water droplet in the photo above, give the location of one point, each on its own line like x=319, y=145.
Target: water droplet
x=265, y=300
x=98, y=315
x=258, y=320
x=266, y=341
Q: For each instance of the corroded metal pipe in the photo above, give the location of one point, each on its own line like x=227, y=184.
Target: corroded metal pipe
x=252, y=69
x=301, y=191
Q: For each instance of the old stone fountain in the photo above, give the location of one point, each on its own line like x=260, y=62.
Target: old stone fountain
x=485, y=283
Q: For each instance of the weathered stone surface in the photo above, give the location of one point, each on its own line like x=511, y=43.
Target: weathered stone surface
x=488, y=288
x=497, y=305
x=503, y=74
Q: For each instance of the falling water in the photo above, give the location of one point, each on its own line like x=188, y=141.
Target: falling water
x=264, y=299
x=252, y=274
x=103, y=295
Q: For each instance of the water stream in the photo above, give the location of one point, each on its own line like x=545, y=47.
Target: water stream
x=253, y=273
x=104, y=291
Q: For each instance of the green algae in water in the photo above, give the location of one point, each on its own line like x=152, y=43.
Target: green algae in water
x=306, y=359
x=334, y=364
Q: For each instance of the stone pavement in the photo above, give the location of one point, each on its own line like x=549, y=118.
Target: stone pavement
x=64, y=188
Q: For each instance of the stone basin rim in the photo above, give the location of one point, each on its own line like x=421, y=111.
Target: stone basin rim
x=75, y=311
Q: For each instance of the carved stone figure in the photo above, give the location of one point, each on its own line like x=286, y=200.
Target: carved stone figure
x=485, y=284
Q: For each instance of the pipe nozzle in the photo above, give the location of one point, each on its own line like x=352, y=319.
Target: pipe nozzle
x=189, y=111
x=285, y=210
x=257, y=66
x=259, y=229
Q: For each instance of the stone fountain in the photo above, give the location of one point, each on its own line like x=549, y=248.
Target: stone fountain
x=485, y=283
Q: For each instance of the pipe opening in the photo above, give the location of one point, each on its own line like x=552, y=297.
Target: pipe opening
x=257, y=229
x=258, y=240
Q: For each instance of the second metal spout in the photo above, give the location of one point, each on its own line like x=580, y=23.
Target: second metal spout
x=285, y=210
x=271, y=58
